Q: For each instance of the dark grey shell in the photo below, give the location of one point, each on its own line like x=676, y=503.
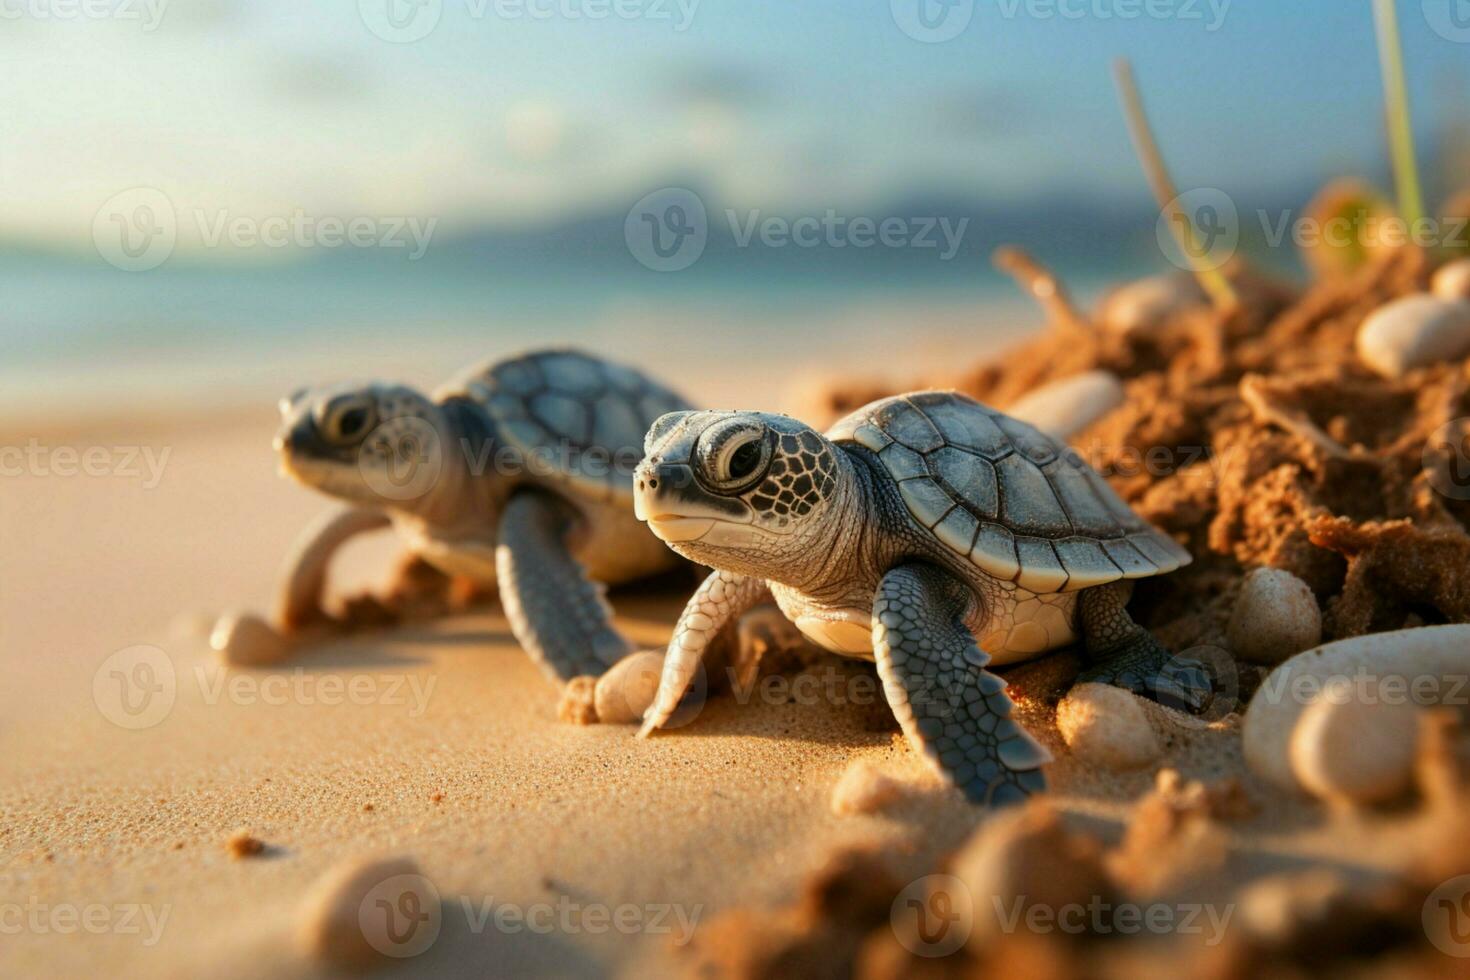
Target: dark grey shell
x=1021, y=505
x=576, y=420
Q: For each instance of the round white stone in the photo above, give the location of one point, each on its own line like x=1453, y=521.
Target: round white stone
x=1430, y=663
x=247, y=640
x=1145, y=305
x=1414, y=331
x=1356, y=744
x=625, y=692
x=1275, y=617
x=1064, y=408
x=1107, y=726
x=1452, y=281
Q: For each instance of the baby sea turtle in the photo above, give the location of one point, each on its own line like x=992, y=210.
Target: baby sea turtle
x=927, y=532
x=520, y=472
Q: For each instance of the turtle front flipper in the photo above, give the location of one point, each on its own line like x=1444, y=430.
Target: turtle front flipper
x=558, y=615
x=953, y=711
x=304, y=573
x=719, y=601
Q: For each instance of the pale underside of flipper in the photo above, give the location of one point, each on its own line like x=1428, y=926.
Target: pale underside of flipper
x=718, y=602
x=304, y=573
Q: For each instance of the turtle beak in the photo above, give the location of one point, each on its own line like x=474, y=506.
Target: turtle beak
x=297, y=435
x=676, y=508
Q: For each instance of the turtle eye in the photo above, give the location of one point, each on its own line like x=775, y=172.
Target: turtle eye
x=348, y=420
x=734, y=455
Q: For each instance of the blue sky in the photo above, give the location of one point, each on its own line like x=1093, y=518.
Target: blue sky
x=266, y=106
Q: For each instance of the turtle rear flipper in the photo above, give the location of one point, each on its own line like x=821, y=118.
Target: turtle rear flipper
x=558, y=614
x=1123, y=654
x=954, y=712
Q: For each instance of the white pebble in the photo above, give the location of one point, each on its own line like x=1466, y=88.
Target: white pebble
x=1143, y=306
x=1108, y=727
x=369, y=912
x=1414, y=331
x=864, y=789
x=247, y=640
x=1026, y=858
x=1452, y=281
x=1064, y=408
x=628, y=688
x=1355, y=744
x=1275, y=617
x=1423, y=666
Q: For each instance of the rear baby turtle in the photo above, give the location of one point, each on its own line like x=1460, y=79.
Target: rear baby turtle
x=517, y=473
x=927, y=532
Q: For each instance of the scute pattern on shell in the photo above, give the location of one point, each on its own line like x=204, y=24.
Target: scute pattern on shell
x=1021, y=505
x=581, y=418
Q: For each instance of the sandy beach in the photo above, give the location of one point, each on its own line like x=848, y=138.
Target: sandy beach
x=436, y=741
x=441, y=742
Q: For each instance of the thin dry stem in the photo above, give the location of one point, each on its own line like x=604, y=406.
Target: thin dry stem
x=1042, y=284
x=1215, y=285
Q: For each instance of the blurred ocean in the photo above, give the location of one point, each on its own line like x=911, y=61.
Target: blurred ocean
x=751, y=323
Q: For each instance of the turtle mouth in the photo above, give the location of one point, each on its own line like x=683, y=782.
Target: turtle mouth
x=672, y=528
x=678, y=530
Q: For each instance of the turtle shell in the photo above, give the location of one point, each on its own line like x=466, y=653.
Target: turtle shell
x=574, y=419
x=1022, y=506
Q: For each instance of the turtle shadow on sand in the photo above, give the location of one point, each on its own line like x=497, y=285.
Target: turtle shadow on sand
x=831, y=701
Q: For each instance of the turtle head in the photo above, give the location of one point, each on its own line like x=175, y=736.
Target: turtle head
x=376, y=445
x=743, y=491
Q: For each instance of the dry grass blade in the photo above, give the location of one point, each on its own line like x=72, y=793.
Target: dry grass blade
x=1211, y=279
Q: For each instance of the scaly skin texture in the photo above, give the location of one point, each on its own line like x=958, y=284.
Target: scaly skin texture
x=955, y=712
x=826, y=527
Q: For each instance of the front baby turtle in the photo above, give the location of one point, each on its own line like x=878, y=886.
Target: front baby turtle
x=927, y=532
x=519, y=473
